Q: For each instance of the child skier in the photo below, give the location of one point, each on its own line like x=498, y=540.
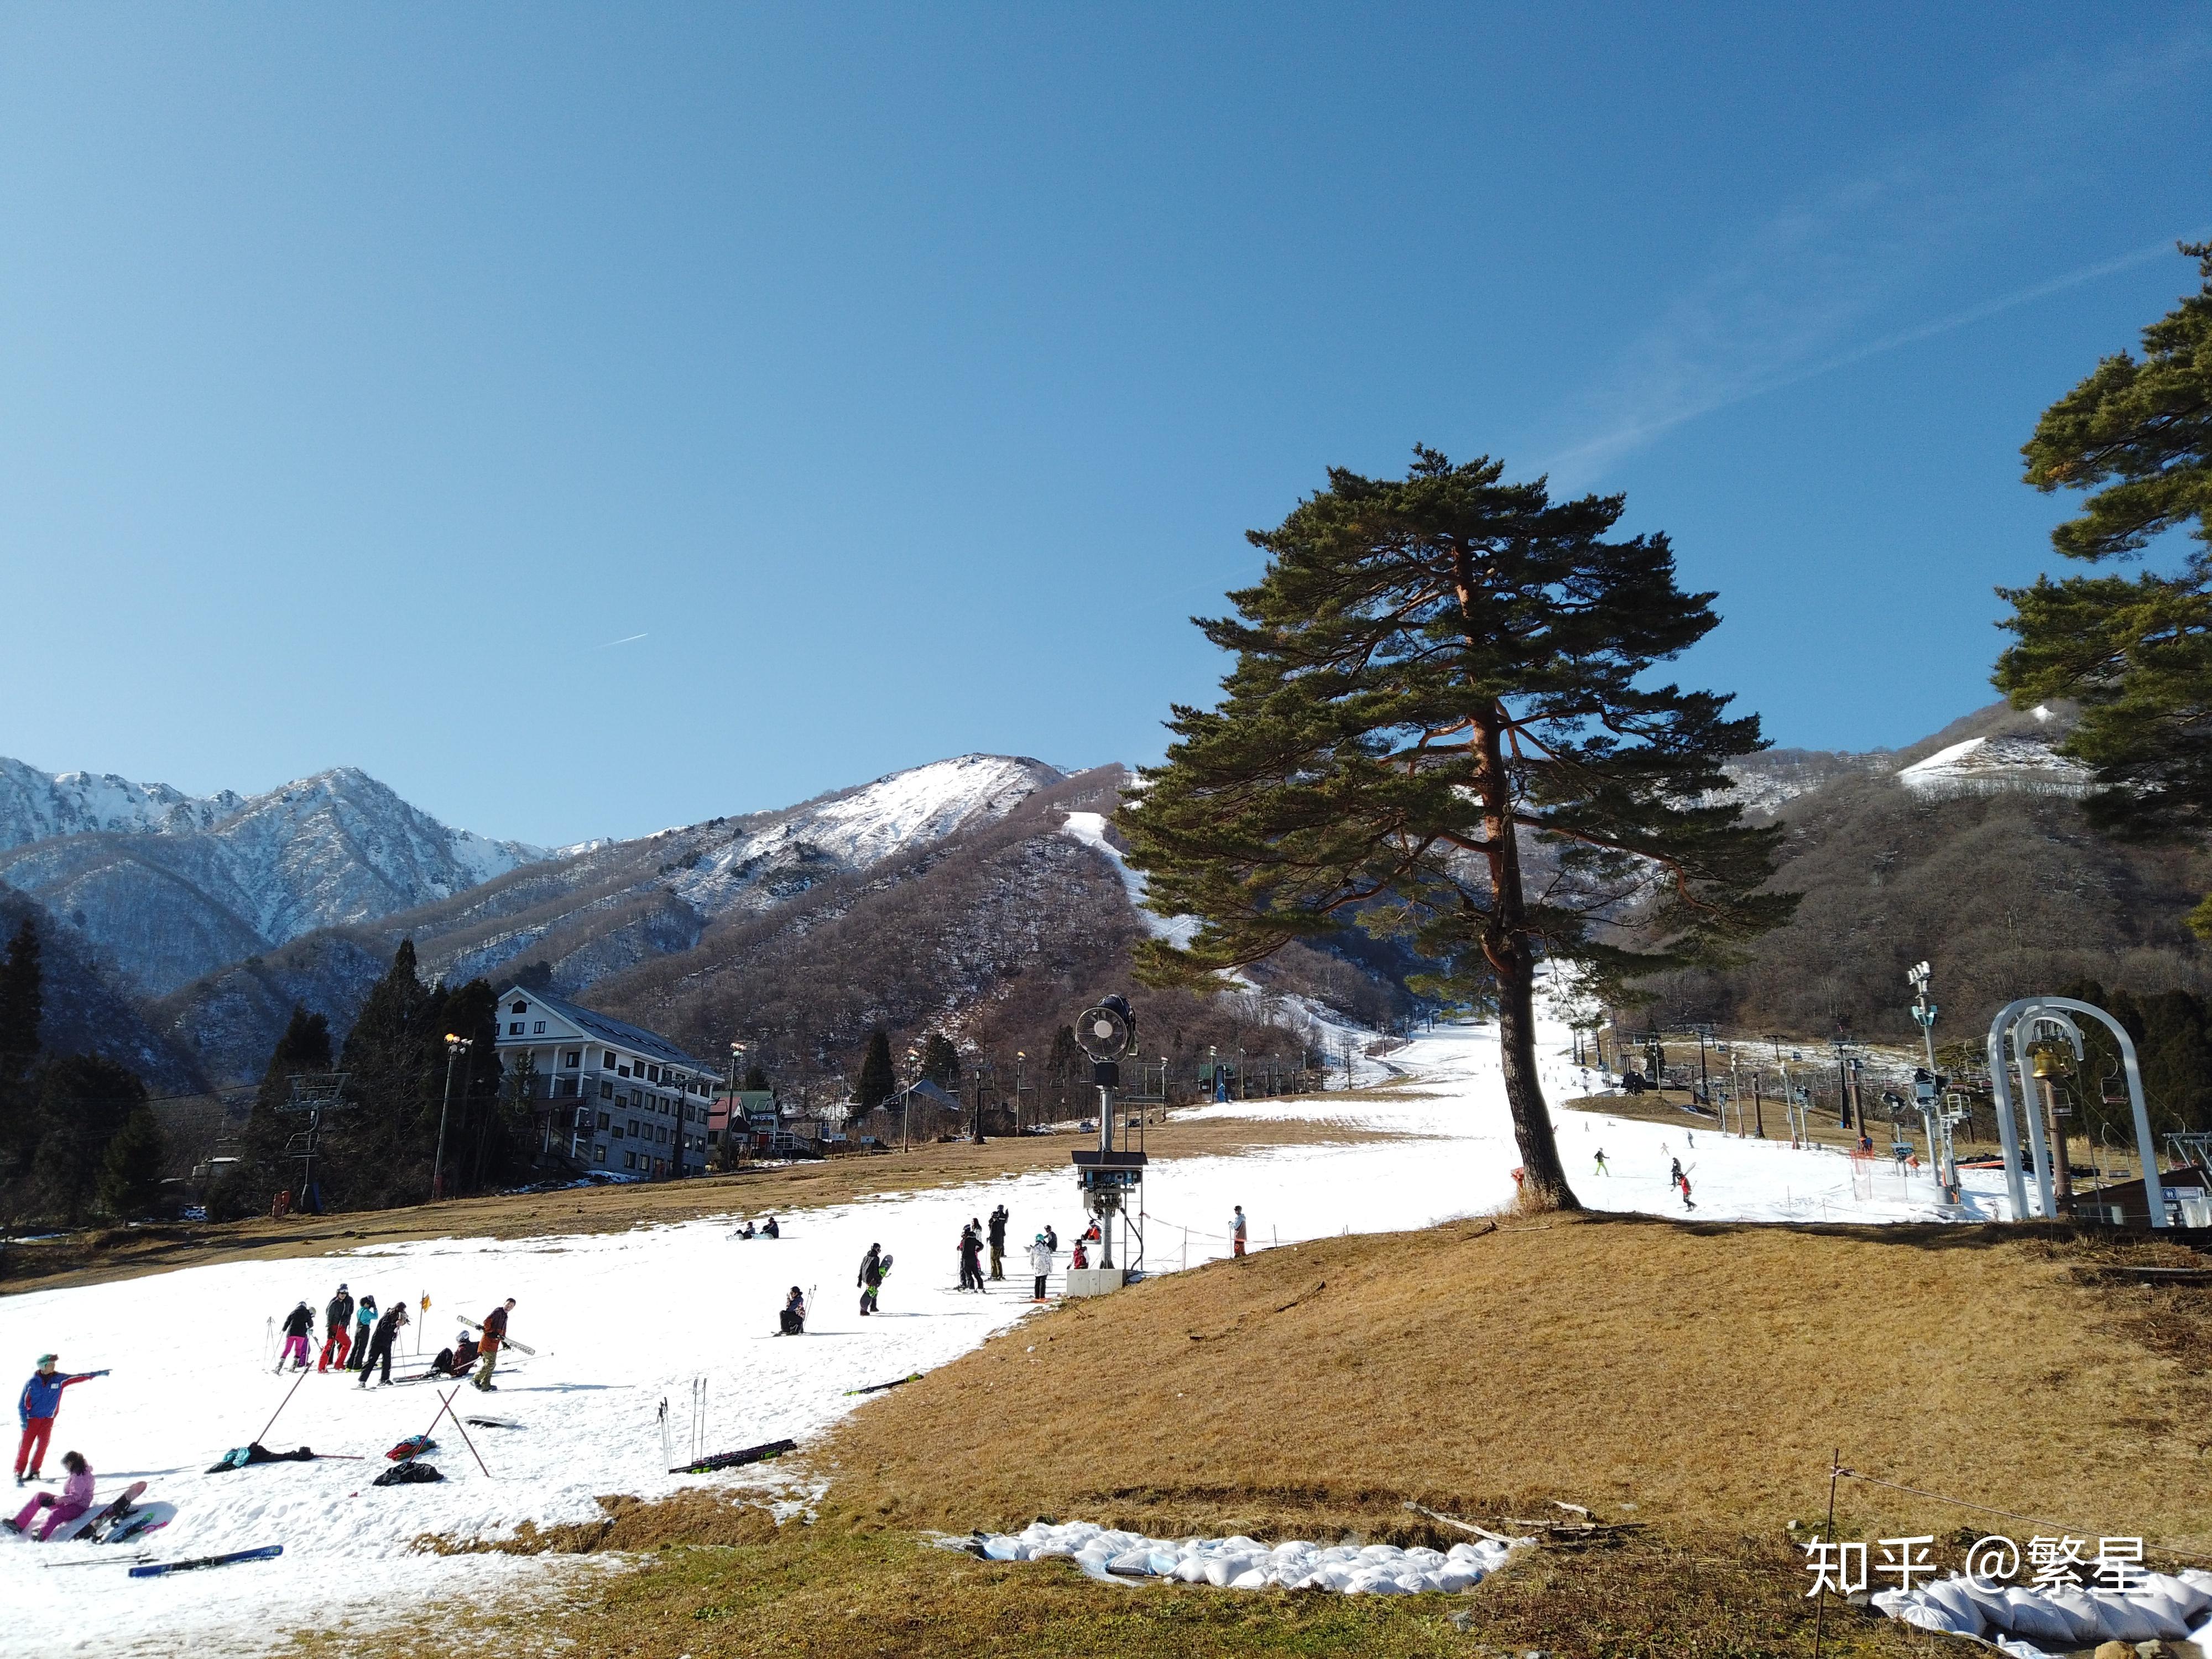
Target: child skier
x=1040, y=1264
x=297, y=1324
x=76, y=1499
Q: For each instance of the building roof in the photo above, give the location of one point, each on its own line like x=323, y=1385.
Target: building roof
x=607, y=1029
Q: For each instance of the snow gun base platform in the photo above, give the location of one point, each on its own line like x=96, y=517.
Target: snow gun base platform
x=1095, y=1281
x=734, y=1459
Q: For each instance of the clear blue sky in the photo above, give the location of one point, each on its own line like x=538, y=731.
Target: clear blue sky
x=905, y=376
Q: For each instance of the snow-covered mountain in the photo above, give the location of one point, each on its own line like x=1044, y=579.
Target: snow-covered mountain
x=1990, y=766
x=165, y=886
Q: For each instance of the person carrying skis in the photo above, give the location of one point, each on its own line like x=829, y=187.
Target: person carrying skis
x=867, y=1265
x=364, y=1321
x=379, y=1345
x=999, y=1219
x=35, y=1408
x=793, y=1318
x=494, y=1333
x=297, y=1324
x=1683, y=1180
x=1040, y=1264
x=1236, y=1232
x=338, y=1330
x=76, y=1499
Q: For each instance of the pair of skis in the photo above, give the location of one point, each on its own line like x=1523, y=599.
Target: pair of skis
x=505, y=1341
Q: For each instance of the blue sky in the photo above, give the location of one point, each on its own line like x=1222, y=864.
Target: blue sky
x=592, y=419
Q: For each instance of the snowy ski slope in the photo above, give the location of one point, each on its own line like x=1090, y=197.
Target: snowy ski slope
x=622, y=1321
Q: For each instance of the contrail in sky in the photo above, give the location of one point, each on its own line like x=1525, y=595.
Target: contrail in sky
x=625, y=640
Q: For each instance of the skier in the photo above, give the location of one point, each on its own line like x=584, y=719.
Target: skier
x=364, y=1320
x=297, y=1324
x=1236, y=1232
x=1040, y=1264
x=793, y=1316
x=1601, y=1169
x=35, y=1408
x=494, y=1332
x=867, y=1267
x=872, y=1276
x=971, y=1258
x=379, y=1345
x=1684, y=1183
x=456, y=1360
x=999, y=1219
x=76, y=1499
x=769, y=1229
x=338, y=1330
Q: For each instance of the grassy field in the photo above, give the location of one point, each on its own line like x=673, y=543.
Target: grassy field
x=1693, y=1378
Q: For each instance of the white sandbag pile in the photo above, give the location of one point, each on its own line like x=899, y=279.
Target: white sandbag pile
x=1242, y=1563
x=2029, y=1623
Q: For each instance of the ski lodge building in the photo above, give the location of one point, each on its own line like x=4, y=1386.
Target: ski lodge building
x=609, y=1095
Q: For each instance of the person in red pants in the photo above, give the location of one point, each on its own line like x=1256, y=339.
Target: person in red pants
x=76, y=1499
x=35, y=1408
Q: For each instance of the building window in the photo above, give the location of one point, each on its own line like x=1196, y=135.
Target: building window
x=540, y=1028
x=606, y=1060
x=621, y=1071
x=572, y=1059
x=600, y=1154
x=519, y=1008
x=514, y=1030
x=606, y=1089
x=603, y=1120
x=629, y=1160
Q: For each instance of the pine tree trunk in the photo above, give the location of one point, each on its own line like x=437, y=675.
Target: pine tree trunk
x=1543, y=1181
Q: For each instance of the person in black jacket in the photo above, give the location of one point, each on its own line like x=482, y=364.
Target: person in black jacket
x=380, y=1341
x=868, y=1289
x=999, y=1219
x=793, y=1315
x=297, y=1324
x=337, y=1329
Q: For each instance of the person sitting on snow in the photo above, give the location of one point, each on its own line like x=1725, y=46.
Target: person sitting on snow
x=794, y=1313
x=769, y=1229
x=1082, y=1257
x=76, y=1499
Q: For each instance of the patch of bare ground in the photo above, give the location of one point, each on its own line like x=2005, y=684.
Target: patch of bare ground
x=1691, y=1378
x=98, y=1255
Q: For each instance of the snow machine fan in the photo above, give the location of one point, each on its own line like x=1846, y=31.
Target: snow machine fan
x=1106, y=1033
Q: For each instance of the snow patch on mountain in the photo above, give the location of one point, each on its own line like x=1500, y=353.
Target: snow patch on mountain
x=35, y=804
x=1090, y=828
x=759, y=866
x=1988, y=766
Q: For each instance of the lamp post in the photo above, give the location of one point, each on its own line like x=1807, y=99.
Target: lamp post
x=1019, y=1056
x=906, y=1108
x=454, y=1048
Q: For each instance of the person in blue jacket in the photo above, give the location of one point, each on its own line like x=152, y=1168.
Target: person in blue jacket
x=35, y=1408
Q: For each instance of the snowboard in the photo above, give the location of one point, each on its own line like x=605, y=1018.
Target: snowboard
x=91, y=1531
x=266, y=1553
x=878, y=1388
x=504, y=1342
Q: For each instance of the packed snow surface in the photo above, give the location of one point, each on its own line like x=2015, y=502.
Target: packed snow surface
x=623, y=1321
x=1241, y=1563
x=2032, y=1622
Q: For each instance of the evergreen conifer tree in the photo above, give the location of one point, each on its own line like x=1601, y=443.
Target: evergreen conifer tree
x=22, y=1003
x=262, y=1170
x=84, y=1102
x=940, y=1062
x=878, y=1082
x=130, y=1168
x=1439, y=680
x=757, y=1079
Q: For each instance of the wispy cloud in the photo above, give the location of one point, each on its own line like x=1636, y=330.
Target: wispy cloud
x=1799, y=296
x=625, y=640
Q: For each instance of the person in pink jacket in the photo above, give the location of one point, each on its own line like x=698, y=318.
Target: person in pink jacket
x=76, y=1499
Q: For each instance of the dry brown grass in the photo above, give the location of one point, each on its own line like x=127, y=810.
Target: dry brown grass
x=91, y=1258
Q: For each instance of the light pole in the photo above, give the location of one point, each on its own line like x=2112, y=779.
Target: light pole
x=454, y=1048
x=1019, y=1056
x=730, y=1142
x=906, y=1109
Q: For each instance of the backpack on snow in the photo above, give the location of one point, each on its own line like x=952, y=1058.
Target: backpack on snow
x=412, y=1473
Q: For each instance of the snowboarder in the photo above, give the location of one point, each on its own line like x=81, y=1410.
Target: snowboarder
x=1040, y=1264
x=494, y=1332
x=1236, y=1232
x=792, y=1319
x=76, y=1499
x=297, y=1324
x=1601, y=1169
x=364, y=1321
x=769, y=1229
x=380, y=1344
x=867, y=1267
x=338, y=1330
x=999, y=1219
x=35, y=1408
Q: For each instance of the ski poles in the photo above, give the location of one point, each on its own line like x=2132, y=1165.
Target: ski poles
x=279, y=1412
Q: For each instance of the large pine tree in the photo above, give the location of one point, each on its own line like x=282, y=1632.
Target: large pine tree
x=1439, y=682
x=876, y=1082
